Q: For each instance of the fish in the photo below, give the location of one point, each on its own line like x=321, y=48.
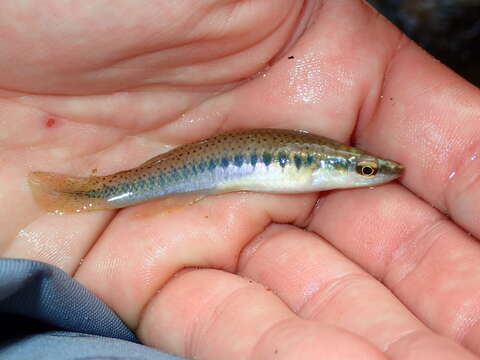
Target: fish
x=258, y=160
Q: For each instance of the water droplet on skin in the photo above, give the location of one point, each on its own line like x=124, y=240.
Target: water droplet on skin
x=474, y=157
x=371, y=188
x=261, y=74
x=452, y=175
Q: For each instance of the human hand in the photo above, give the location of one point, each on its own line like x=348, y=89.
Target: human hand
x=378, y=273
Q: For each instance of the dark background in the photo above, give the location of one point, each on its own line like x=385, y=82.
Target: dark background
x=448, y=29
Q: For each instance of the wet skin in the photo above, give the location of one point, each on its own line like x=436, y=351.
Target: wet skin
x=385, y=273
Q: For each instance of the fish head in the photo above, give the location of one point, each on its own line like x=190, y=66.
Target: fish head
x=355, y=170
x=367, y=170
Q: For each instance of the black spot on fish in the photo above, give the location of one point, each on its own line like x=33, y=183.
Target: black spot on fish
x=309, y=160
x=267, y=158
x=212, y=164
x=224, y=162
x=162, y=180
x=253, y=159
x=282, y=158
x=175, y=174
x=298, y=161
x=194, y=169
x=238, y=160
x=202, y=166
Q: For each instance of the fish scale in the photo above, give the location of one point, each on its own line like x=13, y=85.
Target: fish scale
x=269, y=160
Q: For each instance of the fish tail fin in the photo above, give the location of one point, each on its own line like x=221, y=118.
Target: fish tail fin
x=62, y=193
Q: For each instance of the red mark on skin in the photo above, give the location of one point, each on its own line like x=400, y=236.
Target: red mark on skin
x=51, y=122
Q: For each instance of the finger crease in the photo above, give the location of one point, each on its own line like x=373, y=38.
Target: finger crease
x=420, y=235
x=326, y=294
x=404, y=337
x=196, y=334
x=263, y=338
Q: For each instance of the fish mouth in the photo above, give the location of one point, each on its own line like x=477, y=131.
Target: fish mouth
x=392, y=168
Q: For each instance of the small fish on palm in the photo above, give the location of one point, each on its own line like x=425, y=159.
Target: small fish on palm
x=262, y=160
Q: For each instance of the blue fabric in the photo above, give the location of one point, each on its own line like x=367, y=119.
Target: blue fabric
x=45, y=314
x=64, y=345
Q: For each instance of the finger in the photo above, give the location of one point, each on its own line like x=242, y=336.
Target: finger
x=144, y=246
x=427, y=118
x=423, y=258
x=320, y=284
x=234, y=318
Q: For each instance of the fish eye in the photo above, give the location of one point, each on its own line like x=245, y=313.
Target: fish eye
x=367, y=168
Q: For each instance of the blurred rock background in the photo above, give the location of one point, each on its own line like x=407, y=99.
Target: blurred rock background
x=448, y=29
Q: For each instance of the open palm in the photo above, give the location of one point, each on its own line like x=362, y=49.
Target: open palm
x=385, y=273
